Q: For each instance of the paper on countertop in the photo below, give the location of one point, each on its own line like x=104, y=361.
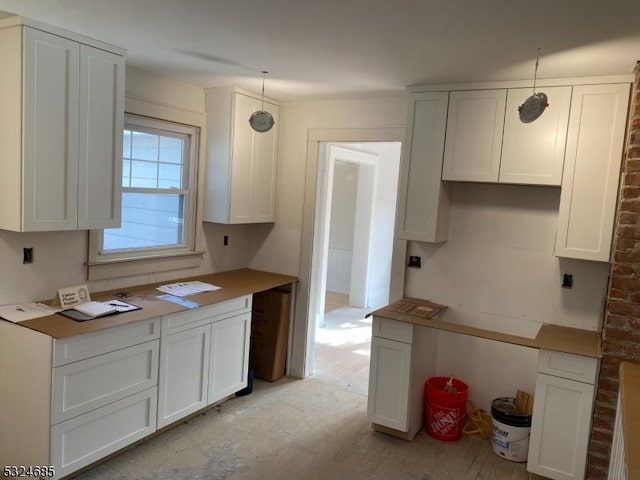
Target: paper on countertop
x=183, y=289
x=19, y=312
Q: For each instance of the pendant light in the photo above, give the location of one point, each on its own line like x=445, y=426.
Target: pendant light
x=533, y=106
x=262, y=121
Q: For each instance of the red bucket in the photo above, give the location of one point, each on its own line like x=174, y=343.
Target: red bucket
x=445, y=412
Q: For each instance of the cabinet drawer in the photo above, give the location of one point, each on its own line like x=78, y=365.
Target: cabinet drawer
x=88, y=384
x=90, y=437
x=177, y=322
x=392, y=329
x=566, y=365
x=76, y=348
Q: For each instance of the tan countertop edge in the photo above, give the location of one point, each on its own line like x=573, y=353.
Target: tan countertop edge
x=233, y=284
x=630, y=400
x=550, y=337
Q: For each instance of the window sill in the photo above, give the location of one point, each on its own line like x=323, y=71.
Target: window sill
x=107, y=269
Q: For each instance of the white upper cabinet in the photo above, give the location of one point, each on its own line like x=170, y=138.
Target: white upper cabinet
x=593, y=159
x=474, y=135
x=487, y=142
x=240, y=183
x=533, y=153
x=423, y=199
x=60, y=130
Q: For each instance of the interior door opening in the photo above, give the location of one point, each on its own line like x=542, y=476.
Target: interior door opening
x=352, y=252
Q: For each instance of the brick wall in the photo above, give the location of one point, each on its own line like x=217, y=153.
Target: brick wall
x=621, y=331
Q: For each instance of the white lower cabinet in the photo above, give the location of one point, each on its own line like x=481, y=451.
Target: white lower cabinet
x=389, y=376
x=114, y=387
x=229, y=356
x=403, y=357
x=184, y=374
x=84, y=439
x=562, y=411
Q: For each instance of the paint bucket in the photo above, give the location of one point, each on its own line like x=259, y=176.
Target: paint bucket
x=510, y=439
x=445, y=411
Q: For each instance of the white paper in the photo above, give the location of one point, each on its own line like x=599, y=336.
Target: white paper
x=19, y=312
x=183, y=289
x=95, y=309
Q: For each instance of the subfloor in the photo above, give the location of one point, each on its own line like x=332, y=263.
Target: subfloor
x=300, y=430
x=343, y=345
x=308, y=429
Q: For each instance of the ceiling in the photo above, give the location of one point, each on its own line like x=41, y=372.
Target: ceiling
x=339, y=48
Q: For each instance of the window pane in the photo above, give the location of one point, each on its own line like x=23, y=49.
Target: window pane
x=144, y=146
x=170, y=176
x=126, y=144
x=144, y=174
x=148, y=220
x=170, y=150
x=126, y=173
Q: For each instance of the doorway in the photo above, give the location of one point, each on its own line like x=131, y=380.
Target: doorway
x=352, y=253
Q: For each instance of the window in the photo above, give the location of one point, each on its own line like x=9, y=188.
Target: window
x=159, y=161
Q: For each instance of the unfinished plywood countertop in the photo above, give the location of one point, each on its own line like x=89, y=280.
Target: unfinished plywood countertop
x=549, y=337
x=233, y=284
x=630, y=399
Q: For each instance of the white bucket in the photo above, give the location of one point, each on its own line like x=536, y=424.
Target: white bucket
x=510, y=439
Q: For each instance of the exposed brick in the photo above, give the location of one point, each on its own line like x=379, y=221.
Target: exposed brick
x=622, y=269
x=616, y=321
x=625, y=243
x=630, y=231
x=603, y=436
x=631, y=191
x=622, y=256
x=607, y=397
x=626, y=283
x=613, y=348
x=628, y=218
x=621, y=308
x=619, y=294
x=632, y=154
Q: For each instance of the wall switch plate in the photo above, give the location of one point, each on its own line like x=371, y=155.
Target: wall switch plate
x=414, y=262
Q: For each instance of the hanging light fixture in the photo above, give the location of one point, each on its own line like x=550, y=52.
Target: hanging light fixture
x=533, y=106
x=261, y=120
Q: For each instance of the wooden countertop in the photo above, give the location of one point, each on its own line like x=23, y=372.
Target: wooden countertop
x=233, y=284
x=630, y=399
x=549, y=337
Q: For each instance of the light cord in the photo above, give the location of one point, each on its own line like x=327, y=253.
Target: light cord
x=264, y=73
x=535, y=73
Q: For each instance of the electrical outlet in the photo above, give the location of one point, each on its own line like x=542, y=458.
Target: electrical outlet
x=225, y=240
x=27, y=255
x=414, y=262
x=567, y=280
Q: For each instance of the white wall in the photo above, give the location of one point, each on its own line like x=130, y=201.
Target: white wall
x=497, y=271
x=341, y=227
x=383, y=221
x=280, y=250
x=343, y=205
x=60, y=257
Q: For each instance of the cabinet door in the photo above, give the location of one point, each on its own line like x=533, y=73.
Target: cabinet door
x=560, y=428
x=595, y=142
x=423, y=200
x=229, y=356
x=87, y=438
x=533, y=153
x=264, y=171
x=184, y=374
x=50, y=131
x=474, y=135
x=389, y=376
x=244, y=148
x=100, y=147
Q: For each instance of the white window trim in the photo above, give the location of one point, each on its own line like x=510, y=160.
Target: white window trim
x=99, y=267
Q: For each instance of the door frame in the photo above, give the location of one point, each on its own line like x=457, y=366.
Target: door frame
x=301, y=353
